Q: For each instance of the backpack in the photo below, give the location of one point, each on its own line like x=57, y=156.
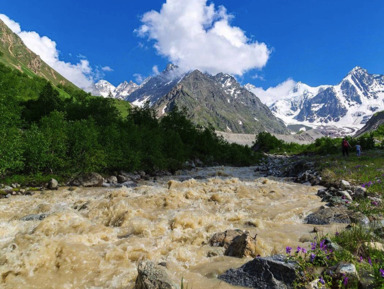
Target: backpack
x=345, y=143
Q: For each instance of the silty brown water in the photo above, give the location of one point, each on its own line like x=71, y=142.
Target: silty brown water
x=94, y=238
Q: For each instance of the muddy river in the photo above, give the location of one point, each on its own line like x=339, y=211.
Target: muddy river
x=94, y=237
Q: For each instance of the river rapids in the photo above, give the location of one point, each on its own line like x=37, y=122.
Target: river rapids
x=95, y=237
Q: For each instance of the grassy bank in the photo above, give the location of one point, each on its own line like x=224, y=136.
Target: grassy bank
x=361, y=246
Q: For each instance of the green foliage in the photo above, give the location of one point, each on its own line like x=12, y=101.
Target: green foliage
x=64, y=131
x=267, y=142
x=11, y=158
x=86, y=153
x=352, y=248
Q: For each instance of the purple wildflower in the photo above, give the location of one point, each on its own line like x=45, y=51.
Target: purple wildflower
x=382, y=272
x=323, y=247
x=288, y=250
x=345, y=281
x=321, y=280
x=313, y=246
x=312, y=257
x=337, y=233
x=298, y=249
x=374, y=203
x=304, y=250
x=369, y=261
x=361, y=259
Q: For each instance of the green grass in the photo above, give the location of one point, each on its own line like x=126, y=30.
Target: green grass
x=367, y=171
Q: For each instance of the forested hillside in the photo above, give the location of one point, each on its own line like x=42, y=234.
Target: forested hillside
x=63, y=130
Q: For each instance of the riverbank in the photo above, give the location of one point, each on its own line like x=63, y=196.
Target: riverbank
x=84, y=237
x=96, y=237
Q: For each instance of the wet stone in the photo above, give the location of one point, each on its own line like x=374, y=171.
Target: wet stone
x=274, y=272
x=34, y=217
x=151, y=276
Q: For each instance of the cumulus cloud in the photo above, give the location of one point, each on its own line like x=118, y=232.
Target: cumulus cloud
x=81, y=73
x=274, y=94
x=107, y=69
x=195, y=35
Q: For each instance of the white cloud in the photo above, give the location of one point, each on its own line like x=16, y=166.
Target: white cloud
x=81, y=73
x=273, y=94
x=138, y=78
x=107, y=69
x=155, y=70
x=195, y=35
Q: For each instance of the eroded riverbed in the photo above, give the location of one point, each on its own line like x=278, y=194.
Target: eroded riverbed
x=94, y=237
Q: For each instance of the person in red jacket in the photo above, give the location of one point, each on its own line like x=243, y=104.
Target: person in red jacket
x=345, y=147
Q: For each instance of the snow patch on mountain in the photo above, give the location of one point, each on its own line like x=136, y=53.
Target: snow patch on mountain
x=348, y=104
x=106, y=89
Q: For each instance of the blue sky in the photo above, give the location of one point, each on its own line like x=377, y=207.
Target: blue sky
x=263, y=42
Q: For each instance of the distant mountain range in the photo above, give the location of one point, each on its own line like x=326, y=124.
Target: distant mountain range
x=217, y=100
x=349, y=104
x=15, y=54
x=220, y=100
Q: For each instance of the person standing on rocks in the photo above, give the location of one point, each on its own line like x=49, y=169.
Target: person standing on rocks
x=345, y=147
x=358, y=149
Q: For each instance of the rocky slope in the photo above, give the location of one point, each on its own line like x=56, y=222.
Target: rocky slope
x=348, y=104
x=219, y=101
x=373, y=123
x=15, y=54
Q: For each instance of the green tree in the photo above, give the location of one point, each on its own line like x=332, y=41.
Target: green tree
x=11, y=150
x=54, y=128
x=85, y=153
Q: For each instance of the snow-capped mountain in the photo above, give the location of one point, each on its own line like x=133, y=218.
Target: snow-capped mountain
x=106, y=89
x=348, y=104
x=153, y=88
x=217, y=100
x=124, y=89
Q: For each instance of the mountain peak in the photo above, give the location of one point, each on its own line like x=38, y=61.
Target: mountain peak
x=358, y=70
x=170, y=67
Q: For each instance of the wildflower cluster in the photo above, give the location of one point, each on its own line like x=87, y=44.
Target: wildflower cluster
x=319, y=255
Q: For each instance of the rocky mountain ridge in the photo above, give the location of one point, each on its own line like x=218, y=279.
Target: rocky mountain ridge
x=349, y=104
x=217, y=100
x=15, y=54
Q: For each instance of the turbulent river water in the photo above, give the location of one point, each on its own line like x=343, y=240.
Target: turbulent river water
x=95, y=237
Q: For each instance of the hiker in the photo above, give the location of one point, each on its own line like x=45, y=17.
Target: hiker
x=358, y=149
x=345, y=147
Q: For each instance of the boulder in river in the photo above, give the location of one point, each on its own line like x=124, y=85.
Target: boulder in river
x=337, y=215
x=274, y=272
x=223, y=239
x=88, y=180
x=152, y=276
x=53, y=184
x=242, y=246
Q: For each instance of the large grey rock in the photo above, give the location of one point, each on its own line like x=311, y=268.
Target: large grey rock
x=123, y=178
x=53, y=184
x=337, y=215
x=274, y=272
x=329, y=215
x=88, y=180
x=152, y=276
x=111, y=180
